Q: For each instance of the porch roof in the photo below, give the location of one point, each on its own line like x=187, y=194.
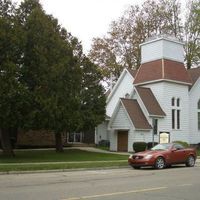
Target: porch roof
x=150, y=102
x=136, y=115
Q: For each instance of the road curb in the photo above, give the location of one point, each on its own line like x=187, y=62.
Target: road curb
x=61, y=170
x=70, y=170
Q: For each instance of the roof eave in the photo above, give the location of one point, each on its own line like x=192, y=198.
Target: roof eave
x=162, y=80
x=143, y=129
x=124, y=72
x=158, y=116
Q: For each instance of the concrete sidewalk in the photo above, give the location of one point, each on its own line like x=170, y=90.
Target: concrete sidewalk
x=93, y=149
x=90, y=149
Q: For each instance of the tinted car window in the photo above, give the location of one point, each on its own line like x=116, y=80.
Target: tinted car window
x=161, y=146
x=178, y=146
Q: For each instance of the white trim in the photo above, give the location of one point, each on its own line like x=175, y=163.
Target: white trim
x=163, y=68
x=120, y=128
x=161, y=80
x=196, y=83
x=131, y=120
x=140, y=129
x=164, y=58
x=124, y=72
x=161, y=38
x=114, y=114
x=142, y=103
x=127, y=114
x=159, y=116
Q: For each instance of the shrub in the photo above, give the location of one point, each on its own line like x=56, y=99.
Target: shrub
x=139, y=146
x=185, y=144
x=150, y=144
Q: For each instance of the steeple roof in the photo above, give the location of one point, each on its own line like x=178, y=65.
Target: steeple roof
x=162, y=70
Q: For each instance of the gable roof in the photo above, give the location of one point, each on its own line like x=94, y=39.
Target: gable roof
x=124, y=72
x=150, y=102
x=133, y=72
x=162, y=69
x=194, y=74
x=135, y=114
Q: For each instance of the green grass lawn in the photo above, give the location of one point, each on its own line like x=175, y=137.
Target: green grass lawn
x=49, y=160
x=33, y=160
x=70, y=155
x=198, y=152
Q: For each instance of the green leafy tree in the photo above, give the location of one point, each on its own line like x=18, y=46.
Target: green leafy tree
x=49, y=71
x=92, y=107
x=120, y=47
x=46, y=80
x=13, y=94
x=192, y=34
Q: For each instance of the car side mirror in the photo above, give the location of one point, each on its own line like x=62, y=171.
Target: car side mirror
x=174, y=149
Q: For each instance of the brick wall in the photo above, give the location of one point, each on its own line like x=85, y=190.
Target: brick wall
x=36, y=138
x=44, y=138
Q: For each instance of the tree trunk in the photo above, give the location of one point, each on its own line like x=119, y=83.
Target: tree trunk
x=58, y=139
x=6, y=142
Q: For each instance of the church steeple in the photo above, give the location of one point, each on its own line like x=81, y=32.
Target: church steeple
x=162, y=59
x=162, y=47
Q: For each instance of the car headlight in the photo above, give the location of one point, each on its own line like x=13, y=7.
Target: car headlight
x=148, y=156
x=130, y=156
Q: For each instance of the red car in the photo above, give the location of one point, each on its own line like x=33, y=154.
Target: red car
x=163, y=155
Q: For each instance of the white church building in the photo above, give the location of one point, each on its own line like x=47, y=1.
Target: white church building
x=160, y=102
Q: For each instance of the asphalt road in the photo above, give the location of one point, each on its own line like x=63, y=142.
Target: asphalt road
x=176, y=183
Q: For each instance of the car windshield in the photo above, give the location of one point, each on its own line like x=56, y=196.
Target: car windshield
x=161, y=147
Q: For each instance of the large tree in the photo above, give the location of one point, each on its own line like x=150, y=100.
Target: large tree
x=192, y=34
x=46, y=74
x=13, y=94
x=93, y=102
x=120, y=47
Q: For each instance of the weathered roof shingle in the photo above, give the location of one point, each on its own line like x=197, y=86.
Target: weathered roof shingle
x=194, y=74
x=162, y=69
x=136, y=115
x=150, y=102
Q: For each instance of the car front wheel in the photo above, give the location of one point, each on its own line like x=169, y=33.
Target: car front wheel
x=190, y=161
x=136, y=167
x=160, y=163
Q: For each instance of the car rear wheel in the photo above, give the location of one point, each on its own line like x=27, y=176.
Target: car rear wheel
x=190, y=161
x=160, y=163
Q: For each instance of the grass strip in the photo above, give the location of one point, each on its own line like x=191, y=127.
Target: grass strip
x=61, y=166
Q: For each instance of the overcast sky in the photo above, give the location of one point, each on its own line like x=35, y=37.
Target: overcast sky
x=87, y=19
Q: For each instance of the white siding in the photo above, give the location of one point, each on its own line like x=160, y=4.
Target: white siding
x=113, y=140
x=162, y=48
x=125, y=86
x=140, y=136
x=133, y=136
x=194, y=98
x=121, y=120
x=101, y=132
x=164, y=92
x=173, y=51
